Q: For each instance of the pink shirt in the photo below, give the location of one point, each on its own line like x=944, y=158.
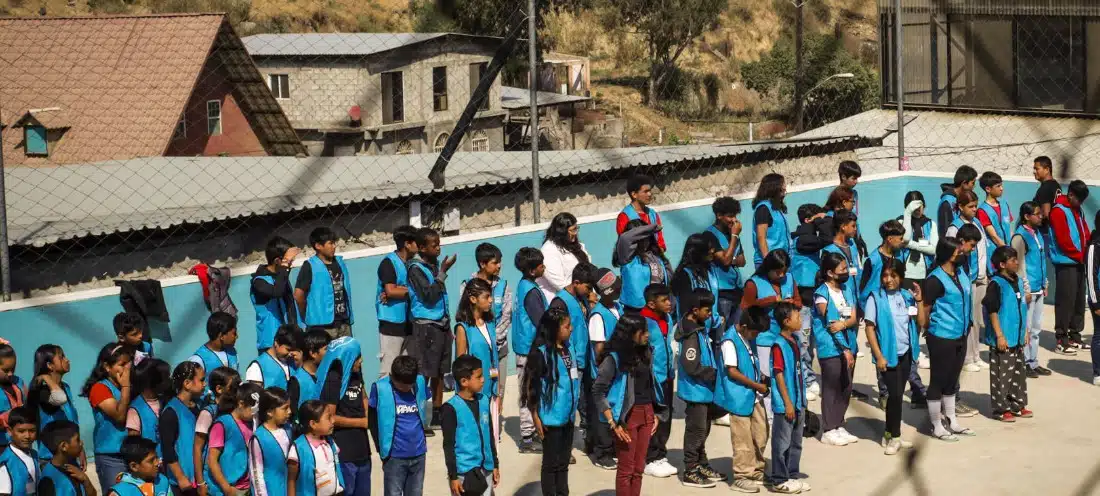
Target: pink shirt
x=217, y=440
x=133, y=420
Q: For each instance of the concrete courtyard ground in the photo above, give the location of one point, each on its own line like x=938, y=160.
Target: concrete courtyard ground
x=1053, y=453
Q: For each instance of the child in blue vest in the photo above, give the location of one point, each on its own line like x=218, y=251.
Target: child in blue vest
x=219, y=350
x=313, y=462
x=220, y=394
x=741, y=390
x=599, y=442
x=475, y=334
x=270, y=444
x=695, y=383
x=640, y=190
x=177, y=426
x=391, y=302
x=429, y=310
x=129, y=331
x=108, y=389
x=788, y=398
x=49, y=394
x=641, y=263
x=489, y=258
x=772, y=283
x=1032, y=249
x=397, y=416
x=844, y=227
x=729, y=255
x=1069, y=240
x=227, y=456
x=152, y=390
x=968, y=231
x=19, y=463
x=849, y=172
x=891, y=318
x=994, y=214
x=1005, y=308
x=270, y=292
x=273, y=367
x=892, y=234
x=576, y=298
x=62, y=474
x=469, y=435
x=947, y=211
x=142, y=476
x=551, y=393
x=659, y=322
x=323, y=288
x=696, y=272
x=12, y=389
x=814, y=233
x=344, y=391
x=836, y=323
x=527, y=310
x=302, y=385
x=770, y=230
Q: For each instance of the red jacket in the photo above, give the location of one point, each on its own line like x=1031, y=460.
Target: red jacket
x=1059, y=226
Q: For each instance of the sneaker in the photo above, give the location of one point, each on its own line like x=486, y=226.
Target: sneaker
x=1065, y=348
x=669, y=468
x=711, y=474
x=804, y=486
x=815, y=387
x=924, y=363
x=882, y=402
x=605, y=463
x=530, y=447
x=654, y=469
x=983, y=364
x=1032, y=373
x=892, y=446
x=745, y=486
x=905, y=444
x=695, y=478
x=833, y=438
x=1096, y=381
x=1043, y=371
x=848, y=436
x=788, y=487
x=758, y=478
x=810, y=395
x=972, y=367
x=429, y=433
x=723, y=420
x=1005, y=417
x=1024, y=413
x=964, y=410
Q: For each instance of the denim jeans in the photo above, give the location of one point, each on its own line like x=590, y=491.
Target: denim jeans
x=107, y=468
x=786, y=447
x=356, y=478
x=1034, y=327
x=806, y=348
x=403, y=476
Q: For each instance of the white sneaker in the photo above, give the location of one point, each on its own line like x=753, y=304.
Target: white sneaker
x=654, y=469
x=723, y=420
x=848, y=436
x=815, y=387
x=834, y=438
x=892, y=446
x=810, y=395
x=905, y=444
x=670, y=468
x=1096, y=381
x=804, y=486
x=972, y=367
x=924, y=362
x=983, y=364
x=790, y=487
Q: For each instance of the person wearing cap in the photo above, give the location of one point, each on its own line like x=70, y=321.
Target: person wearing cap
x=598, y=439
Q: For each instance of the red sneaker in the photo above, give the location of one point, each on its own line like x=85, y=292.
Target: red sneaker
x=1025, y=413
x=1004, y=417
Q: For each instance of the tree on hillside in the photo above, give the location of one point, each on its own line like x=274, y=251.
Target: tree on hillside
x=669, y=28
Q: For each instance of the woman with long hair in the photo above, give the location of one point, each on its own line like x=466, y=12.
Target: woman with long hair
x=1028, y=242
x=841, y=198
x=919, y=241
x=177, y=426
x=835, y=324
x=551, y=394
x=561, y=251
x=476, y=334
x=641, y=263
x=49, y=394
x=770, y=230
x=108, y=389
x=696, y=271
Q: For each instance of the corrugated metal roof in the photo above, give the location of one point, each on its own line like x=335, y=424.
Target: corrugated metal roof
x=50, y=204
x=337, y=44
x=513, y=98
x=998, y=7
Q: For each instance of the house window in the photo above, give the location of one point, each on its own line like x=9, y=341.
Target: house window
x=214, y=118
x=441, y=141
x=439, y=89
x=280, y=85
x=393, y=98
x=404, y=147
x=35, y=143
x=477, y=71
x=181, y=128
x=479, y=142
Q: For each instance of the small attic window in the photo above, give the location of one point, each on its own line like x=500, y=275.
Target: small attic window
x=34, y=138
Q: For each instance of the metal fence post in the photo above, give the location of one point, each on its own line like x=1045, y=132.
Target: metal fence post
x=532, y=54
x=5, y=252
x=903, y=162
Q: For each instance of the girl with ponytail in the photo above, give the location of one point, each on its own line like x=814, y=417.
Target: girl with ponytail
x=177, y=426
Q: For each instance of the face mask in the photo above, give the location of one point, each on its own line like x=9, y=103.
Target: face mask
x=842, y=278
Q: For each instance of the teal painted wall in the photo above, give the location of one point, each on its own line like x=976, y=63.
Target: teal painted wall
x=82, y=327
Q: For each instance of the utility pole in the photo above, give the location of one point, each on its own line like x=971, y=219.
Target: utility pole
x=903, y=161
x=798, y=69
x=533, y=55
x=5, y=252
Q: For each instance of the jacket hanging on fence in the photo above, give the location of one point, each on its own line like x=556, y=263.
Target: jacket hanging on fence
x=145, y=298
x=215, y=288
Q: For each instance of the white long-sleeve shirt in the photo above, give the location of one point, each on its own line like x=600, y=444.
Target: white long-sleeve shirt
x=559, y=268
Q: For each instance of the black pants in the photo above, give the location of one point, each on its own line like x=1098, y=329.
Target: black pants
x=946, y=357
x=1069, y=304
x=658, y=444
x=836, y=391
x=598, y=439
x=556, y=448
x=697, y=422
x=582, y=401
x=895, y=379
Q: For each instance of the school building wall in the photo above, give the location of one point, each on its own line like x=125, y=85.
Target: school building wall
x=80, y=322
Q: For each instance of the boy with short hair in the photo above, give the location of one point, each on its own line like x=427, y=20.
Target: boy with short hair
x=270, y=291
x=994, y=214
x=527, y=310
x=788, y=403
x=741, y=390
x=272, y=367
x=658, y=319
x=1069, y=238
x=219, y=350
x=142, y=476
x=947, y=212
x=19, y=464
x=844, y=226
x=62, y=473
x=489, y=258
x=695, y=382
x=729, y=256
x=1049, y=189
x=428, y=309
x=323, y=289
x=129, y=329
x=397, y=420
x=468, y=433
x=814, y=233
x=849, y=172
x=1006, y=335
x=598, y=440
x=303, y=386
x=391, y=302
x=640, y=189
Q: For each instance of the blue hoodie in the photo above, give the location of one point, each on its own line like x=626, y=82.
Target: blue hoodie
x=345, y=350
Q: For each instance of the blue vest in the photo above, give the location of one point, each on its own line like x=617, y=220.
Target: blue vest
x=709, y=284
x=500, y=288
x=62, y=484
x=6, y=405
x=275, y=471
x=486, y=352
x=972, y=259
x=435, y=312
x=885, y=331
x=210, y=360
x=616, y=394
x=792, y=375
x=664, y=367
x=346, y=351
x=687, y=387
x=727, y=277
x=130, y=486
x=234, y=456
x=764, y=289
x=272, y=372
x=1002, y=225
x=778, y=235
x=559, y=399
x=320, y=301
x=387, y=410
x=952, y=201
x=306, y=484
x=926, y=233
x=852, y=285
x=307, y=385
x=874, y=281
x=1057, y=256
x=63, y=412
x=636, y=275
x=950, y=317
x=523, y=328
x=107, y=435
x=831, y=344
x=1012, y=315
x=731, y=395
x=804, y=268
x=632, y=214
x=148, y=420
x=269, y=316
x=578, y=340
x=185, y=442
x=17, y=470
x=473, y=436
x=1035, y=258
x=395, y=311
x=609, y=323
